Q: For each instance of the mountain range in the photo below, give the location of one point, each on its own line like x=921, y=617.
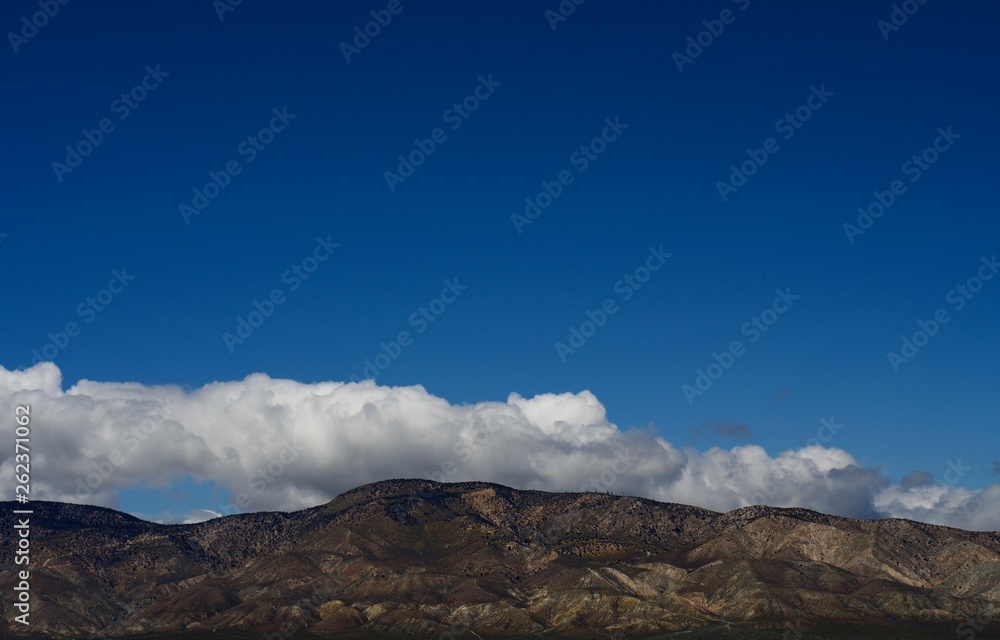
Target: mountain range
x=420, y=559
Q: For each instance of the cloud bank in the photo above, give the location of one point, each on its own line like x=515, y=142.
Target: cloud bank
x=284, y=445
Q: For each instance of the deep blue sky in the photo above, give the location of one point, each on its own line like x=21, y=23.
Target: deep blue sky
x=656, y=185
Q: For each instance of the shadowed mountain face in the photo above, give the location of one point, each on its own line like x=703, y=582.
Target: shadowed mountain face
x=430, y=560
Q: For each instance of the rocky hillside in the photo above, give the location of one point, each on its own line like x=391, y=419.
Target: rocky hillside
x=428, y=560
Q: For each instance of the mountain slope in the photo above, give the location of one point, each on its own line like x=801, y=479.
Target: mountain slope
x=427, y=559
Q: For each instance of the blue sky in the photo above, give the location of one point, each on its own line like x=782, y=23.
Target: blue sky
x=543, y=93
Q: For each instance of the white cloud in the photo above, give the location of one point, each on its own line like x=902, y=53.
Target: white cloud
x=944, y=504
x=199, y=515
x=286, y=445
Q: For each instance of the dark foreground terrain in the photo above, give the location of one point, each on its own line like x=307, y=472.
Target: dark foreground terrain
x=418, y=559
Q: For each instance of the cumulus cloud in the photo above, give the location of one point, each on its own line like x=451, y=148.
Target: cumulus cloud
x=283, y=445
x=944, y=504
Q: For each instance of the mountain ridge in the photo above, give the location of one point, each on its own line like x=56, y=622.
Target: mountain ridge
x=421, y=559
